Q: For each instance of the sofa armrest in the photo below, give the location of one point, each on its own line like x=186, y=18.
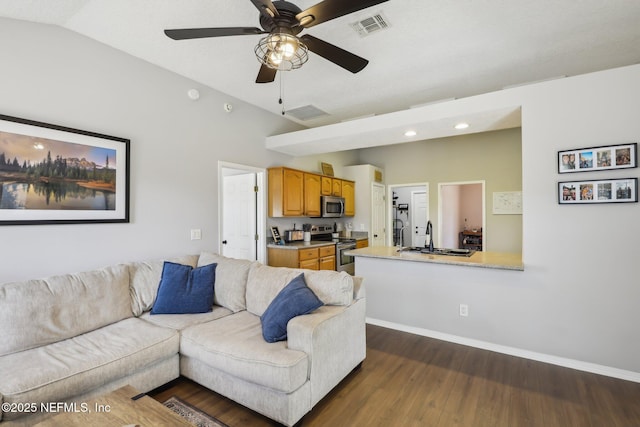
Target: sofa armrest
x=358, y=288
x=334, y=338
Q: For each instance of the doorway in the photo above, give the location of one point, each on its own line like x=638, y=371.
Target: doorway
x=241, y=211
x=408, y=213
x=461, y=206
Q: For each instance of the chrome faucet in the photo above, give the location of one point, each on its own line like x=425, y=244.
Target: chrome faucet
x=430, y=234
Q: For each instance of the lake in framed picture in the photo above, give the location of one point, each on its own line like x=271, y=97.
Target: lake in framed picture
x=52, y=174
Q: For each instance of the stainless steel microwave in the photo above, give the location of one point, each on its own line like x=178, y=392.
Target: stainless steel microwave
x=332, y=206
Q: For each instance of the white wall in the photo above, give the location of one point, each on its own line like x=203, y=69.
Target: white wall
x=577, y=297
x=53, y=75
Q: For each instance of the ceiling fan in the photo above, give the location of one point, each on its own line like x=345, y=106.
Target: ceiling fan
x=282, y=49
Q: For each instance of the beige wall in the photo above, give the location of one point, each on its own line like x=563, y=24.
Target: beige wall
x=495, y=157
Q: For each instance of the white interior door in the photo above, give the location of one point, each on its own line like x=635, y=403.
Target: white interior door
x=239, y=216
x=419, y=217
x=377, y=237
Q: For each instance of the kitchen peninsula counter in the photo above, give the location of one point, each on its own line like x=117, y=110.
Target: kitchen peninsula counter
x=495, y=260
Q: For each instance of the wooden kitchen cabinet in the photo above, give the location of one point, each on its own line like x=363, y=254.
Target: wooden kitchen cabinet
x=326, y=186
x=349, y=194
x=286, y=192
x=362, y=243
x=327, y=260
x=319, y=258
x=294, y=193
x=336, y=187
x=312, y=190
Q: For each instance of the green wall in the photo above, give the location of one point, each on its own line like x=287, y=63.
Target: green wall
x=495, y=157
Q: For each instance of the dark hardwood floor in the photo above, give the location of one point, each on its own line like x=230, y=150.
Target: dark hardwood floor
x=409, y=380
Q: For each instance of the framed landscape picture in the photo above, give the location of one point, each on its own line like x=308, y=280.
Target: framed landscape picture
x=598, y=191
x=52, y=174
x=621, y=156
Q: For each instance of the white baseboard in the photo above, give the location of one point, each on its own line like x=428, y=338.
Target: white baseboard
x=512, y=351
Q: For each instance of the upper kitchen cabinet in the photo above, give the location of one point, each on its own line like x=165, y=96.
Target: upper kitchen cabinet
x=326, y=187
x=286, y=192
x=336, y=187
x=297, y=193
x=349, y=194
x=312, y=190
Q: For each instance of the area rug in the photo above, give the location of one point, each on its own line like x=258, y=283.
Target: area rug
x=191, y=414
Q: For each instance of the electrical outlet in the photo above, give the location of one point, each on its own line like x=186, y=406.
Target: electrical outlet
x=196, y=234
x=464, y=310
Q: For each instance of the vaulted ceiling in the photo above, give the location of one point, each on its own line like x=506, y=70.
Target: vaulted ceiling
x=430, y=50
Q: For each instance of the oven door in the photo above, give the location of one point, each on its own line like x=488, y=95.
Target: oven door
x=345, y=262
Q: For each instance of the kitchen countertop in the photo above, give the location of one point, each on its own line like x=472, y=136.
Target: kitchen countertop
x=316, y=243
x=504, y=261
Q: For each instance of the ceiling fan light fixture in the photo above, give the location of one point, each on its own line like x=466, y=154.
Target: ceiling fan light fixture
x=281, y=51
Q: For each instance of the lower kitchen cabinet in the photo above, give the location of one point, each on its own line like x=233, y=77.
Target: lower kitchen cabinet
x=327, y=257
x=317, y=258
x=362, y=243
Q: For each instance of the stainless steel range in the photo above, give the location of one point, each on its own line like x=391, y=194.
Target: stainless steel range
x=343, y=244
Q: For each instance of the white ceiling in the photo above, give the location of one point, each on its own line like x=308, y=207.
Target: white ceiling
x=433, y=49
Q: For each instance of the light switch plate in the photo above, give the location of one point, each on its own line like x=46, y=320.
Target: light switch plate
x=196, y=234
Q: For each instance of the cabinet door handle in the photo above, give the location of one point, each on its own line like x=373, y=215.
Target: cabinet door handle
x=224, y=242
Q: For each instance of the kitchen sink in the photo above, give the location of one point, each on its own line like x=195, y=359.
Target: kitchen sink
x=439, y=251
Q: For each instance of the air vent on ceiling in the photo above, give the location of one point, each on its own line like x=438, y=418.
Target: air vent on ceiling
x=307, y=112
x=370, y=25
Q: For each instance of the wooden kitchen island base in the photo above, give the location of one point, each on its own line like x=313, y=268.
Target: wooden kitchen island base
x=117, y=409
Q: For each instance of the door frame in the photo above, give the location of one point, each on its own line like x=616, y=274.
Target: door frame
x=384, y=214
x=261, y=205
x=484, y=210
x=390, y=188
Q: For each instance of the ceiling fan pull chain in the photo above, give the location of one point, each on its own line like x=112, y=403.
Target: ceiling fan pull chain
x=280, y=101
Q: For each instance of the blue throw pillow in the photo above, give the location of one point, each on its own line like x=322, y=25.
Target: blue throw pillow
x=183, y=289
x=294, y=300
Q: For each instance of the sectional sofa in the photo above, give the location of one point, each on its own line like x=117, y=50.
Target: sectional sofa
x=73, y=337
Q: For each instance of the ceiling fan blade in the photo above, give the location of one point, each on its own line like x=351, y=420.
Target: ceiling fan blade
x=199, y=33
x=266, y=8
x=266, y=74
x=331, y=9
x=338, y=56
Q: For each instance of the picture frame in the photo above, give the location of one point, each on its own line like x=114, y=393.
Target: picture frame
x=624, y=190
x=51, y=174
x=327, y=169
x=608, y=157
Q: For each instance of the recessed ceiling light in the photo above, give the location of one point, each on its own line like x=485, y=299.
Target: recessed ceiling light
x=462, y=125
x=410, y=133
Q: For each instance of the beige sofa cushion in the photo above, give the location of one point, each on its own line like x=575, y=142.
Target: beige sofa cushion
x=264, y=283
x=39, y=312
x=145, y=278
x=72, y=367
x=182, y=321
x=234, y=345
x=231, y=280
